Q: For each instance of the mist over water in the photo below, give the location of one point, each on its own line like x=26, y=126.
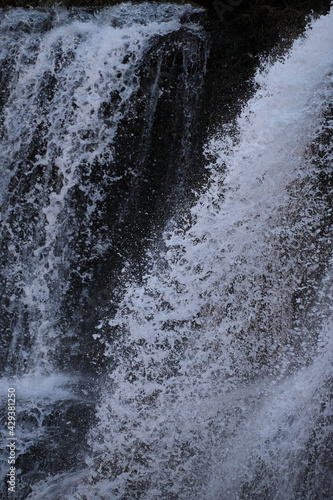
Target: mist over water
x=216, y=376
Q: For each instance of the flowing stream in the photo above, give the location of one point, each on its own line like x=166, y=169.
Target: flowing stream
x=197, y=363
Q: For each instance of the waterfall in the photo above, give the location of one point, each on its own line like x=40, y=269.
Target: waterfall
x=192, y=361
x=85, y=162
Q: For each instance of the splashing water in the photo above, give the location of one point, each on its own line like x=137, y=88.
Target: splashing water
x=220, y=376
x=56, y=133
x=218, y=372
x=73, y=82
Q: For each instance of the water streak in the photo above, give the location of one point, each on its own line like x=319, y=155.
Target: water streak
x=217, y=388
x=78, y=87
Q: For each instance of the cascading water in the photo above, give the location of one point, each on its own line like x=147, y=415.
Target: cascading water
x=79, y=87
x=217, y=372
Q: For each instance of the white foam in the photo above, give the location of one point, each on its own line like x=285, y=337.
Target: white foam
x=36, y=386
x=87, y=57
x=207, y=341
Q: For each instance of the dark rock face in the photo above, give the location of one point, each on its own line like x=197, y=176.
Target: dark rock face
x=151, y=170
x=248, y=31
x=158, y=144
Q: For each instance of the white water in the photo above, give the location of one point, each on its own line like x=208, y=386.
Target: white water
x=220, y=383
x=60, y=69
x=61, y=79
x=221, y=355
